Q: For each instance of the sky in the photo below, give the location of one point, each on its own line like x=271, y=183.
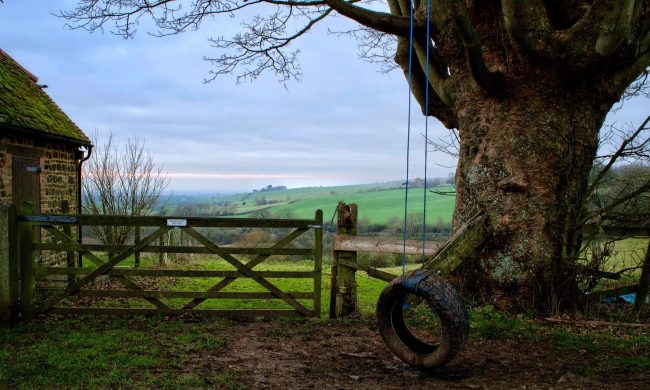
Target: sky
x=343, y=123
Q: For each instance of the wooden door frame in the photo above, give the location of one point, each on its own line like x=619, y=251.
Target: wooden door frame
x=26, y=153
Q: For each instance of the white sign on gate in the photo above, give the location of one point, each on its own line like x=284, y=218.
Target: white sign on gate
x=177, y=222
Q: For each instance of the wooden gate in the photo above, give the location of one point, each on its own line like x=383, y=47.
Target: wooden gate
x=74, y=281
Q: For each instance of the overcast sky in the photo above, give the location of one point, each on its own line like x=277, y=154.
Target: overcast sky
x=345, y=123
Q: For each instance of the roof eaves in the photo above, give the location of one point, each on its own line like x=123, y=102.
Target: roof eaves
x=39, y=133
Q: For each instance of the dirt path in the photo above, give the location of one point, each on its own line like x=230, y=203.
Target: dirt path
x=347, y=355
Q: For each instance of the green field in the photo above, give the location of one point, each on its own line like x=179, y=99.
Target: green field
x=378, y=203
x=377, y=207
x=368, y=288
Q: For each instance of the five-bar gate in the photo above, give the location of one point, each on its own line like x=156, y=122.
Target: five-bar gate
x=74, y=281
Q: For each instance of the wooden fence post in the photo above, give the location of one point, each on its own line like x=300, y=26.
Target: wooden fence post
x=172, y=242
x=8, y=266
x=343, y=291
x=318, y=262
x=162, y=256
x=644, y=284
x=136, y=240
x=67, y=230
x=26, y=253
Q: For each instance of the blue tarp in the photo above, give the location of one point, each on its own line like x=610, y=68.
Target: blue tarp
x=628, y=298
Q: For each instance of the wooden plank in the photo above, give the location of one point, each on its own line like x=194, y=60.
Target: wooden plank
x=257, y=260
x=136, y=288
x=344, y=288
x=26, y=255
x=66, y=247
x=99, y=263
x=247, y=271
x=461, y=245
x=124, y=251
x=66, y=240
x=67, y=230
x=43, y=271
x=174, y=312
x=383, y=245
x=333, y=284
x=289, y=238
x=373, y=272
x=181, y=294
x=8, y=265
x=162, y=256
x=217, y=287
x=136, y=239
x=128, y=220
x=75, y=285
x=318, y=263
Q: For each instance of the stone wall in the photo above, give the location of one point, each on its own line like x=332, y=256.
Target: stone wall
x=58, y=177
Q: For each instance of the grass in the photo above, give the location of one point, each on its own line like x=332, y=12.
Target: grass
x=156, y=352
x=627, y=253
x=618, y=348
x=378, y=203
x=626, y=256
x=377, y=207
x=136, y=353
x=139, y=352
x=368, y=288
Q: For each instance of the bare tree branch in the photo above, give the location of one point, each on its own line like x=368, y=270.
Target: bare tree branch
x=381, y=21
x=375, y=47
x=447, y=145
x=261, y=45
x=120, y=181
x=626, y=148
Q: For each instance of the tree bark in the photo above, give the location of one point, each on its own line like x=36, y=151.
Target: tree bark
x=524, y=160
x=644, y=285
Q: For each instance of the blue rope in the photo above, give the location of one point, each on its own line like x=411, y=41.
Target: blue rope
x=408, y=139
x=426, y=132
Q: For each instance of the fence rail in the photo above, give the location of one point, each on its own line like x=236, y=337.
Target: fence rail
x=37, y=295
x=343, y=242
x=347, y=245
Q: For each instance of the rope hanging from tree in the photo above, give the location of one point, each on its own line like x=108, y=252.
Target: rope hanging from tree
x=408, y=134
x=408, y=138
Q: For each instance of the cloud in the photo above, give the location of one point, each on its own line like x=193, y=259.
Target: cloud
x=344, y=123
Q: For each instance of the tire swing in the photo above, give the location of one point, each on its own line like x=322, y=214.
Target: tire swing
x=442, y=299
x=416, y=291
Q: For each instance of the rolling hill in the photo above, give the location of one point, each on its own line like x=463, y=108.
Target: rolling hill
x=378, y=203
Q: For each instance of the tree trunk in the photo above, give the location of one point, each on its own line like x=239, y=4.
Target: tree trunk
x=525, y=160
x=644, y=285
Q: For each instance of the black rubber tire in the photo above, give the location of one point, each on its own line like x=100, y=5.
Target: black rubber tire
x=441, y=298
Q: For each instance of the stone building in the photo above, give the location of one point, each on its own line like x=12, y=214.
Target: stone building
x=41, y=149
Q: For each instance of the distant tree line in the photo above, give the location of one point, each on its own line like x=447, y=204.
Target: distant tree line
x=271, y=188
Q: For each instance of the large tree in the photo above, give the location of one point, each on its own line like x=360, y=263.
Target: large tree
x=527, y=83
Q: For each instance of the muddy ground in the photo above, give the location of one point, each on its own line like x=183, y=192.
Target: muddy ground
x=337, y=355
